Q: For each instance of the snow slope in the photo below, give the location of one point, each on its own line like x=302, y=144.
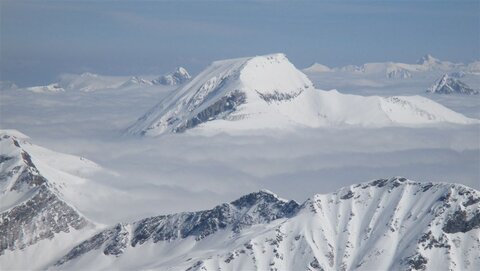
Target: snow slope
x=386, y=224
x=266, y=92
x=34, y=215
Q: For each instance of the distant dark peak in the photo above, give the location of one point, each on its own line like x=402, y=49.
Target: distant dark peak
x=448, y=85
x=394, y=182
x=256, y=197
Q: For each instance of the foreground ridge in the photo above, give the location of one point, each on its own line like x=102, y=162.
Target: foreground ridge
x=382, y=224
x=35, y=210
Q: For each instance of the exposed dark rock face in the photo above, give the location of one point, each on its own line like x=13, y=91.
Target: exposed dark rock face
x=458, y=222
x=348, y=195
x=255, y=208
x=380, y=183
x=42, y=214
x=471, y=200
x=119, y=241
x=41, y=217
x=417, y=262
x=220, y=108
x=95, y=242
x=278, y=96
x=429, y=241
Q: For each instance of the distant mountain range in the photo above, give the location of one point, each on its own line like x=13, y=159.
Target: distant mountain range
x=387, y=224
x=268, y=92
x=87, y=82
x=394, y=70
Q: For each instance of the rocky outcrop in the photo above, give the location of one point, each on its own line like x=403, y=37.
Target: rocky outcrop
x=252, y=209
x=39, y=213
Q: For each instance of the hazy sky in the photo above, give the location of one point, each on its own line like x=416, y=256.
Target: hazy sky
x=40, y=40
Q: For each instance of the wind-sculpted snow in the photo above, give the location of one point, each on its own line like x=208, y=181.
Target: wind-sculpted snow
x=268, y=92
x=386, y=224
x=31, y=210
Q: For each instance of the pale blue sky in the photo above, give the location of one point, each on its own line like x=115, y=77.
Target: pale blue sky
x=41, y=39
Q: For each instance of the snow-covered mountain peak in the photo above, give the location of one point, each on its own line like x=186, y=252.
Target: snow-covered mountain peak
x=317, y=67
x=266, y=74
x=179, y=76
x=449, y=85
x=445, y=192
x=31, y=206
x=382, y=224
x=428, y=60
x=136, y=81
x=182, y=71
x=89, y=74
x=223, y=87
x=268, y=92
x=265, y=201
x=272, y=74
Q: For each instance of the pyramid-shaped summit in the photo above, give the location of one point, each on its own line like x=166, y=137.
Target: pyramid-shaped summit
x=223, y=87
x=268, y=92
x=448, y=85
x=428, y=59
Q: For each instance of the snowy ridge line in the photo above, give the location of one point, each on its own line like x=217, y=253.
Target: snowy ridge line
x=351, y=228
x=35, y=210
x=448, y=84
x=268, y=92
x=88, y=82
x=397, y=70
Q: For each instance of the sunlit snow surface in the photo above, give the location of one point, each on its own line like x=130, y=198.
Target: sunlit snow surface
x=268, y=92
x=134, y=177
x=198, y=169
x=386, y=224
